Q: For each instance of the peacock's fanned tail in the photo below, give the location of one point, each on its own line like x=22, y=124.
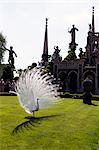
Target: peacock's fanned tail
x=35, y=84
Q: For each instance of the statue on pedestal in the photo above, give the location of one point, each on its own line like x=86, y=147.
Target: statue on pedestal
x=11, y=57
x=56, y=56
x=72, y=45
x=73, y=35
x=92, y=46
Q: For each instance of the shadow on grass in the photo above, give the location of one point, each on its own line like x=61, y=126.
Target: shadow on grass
x=31, y=121
x=94, y=104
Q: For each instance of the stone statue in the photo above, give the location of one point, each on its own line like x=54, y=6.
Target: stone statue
x=90, y=28
x=95, y=54
x=11, y=57
x=56, y=56
x=73, y=35
x=81, y=54
x=92, y=49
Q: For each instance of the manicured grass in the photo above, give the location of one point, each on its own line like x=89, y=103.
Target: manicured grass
x=70, y=125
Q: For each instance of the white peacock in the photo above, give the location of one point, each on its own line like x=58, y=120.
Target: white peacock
x=36, y=90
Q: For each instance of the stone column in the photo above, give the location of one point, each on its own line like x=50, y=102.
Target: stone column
x=80, y=72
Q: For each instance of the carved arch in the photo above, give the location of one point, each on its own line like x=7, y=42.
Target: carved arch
x=72, y=81
x=91, y=75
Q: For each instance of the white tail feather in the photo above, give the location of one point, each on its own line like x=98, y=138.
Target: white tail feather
x=34, y=84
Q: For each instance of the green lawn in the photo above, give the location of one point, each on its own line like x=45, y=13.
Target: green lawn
x=70, y=125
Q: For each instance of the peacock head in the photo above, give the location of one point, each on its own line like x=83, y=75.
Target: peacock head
x=37, y=99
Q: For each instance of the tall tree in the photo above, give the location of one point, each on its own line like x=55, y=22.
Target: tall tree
x=2, y=50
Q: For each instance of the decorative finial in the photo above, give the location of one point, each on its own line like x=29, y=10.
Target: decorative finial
x=46, y=21
x=93, y=9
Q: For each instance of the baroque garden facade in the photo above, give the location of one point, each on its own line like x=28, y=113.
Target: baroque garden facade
x=72, y=71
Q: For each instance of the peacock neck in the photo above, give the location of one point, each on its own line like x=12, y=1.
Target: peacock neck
x=37, y=104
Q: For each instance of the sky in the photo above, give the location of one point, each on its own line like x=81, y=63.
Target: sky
x=22, y=22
